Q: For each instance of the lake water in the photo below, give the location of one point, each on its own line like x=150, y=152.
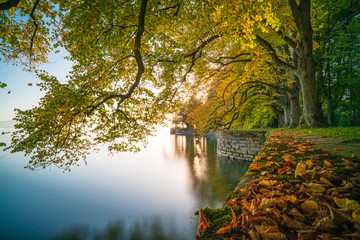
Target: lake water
x=152, y=194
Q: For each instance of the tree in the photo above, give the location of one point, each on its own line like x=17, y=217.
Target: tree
x=133, y=59
x=337, y=34
x=111, y=96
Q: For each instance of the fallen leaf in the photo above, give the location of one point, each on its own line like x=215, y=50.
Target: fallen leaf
x=339, y=217
x=347, y=203
x=274, y=213
x=288, y=158
x=309, y=206
x=336, y=149
x=315, y=187
x=300, y=170
x=203, y=224
x=292, y=199
x=260, y=219
x=269, y=164
x=356, y=215
x=268, y=182
x=324, y=180
x=306, y=234
x=325, y=224
x=309, y=163
x=258, y=158
x=293, y=224
x=283, y=170
x=269, y=158
x=244, y=191
x=254, y=234
x=273, y=235
x=327, y=163
x=267, y=203
x=232, y=225
x=297, y=215
x=255, y=167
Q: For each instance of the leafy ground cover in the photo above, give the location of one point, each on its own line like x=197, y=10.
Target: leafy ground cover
x=332, y=132
x=300, y=192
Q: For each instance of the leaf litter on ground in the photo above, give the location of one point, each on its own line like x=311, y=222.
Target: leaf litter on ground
x=301, y=192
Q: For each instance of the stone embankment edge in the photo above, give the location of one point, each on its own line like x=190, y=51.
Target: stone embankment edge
x=249, y=175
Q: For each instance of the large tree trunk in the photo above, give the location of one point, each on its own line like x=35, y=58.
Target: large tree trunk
x=312, y=114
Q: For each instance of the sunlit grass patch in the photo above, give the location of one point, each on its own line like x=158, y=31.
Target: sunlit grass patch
x=333, y=132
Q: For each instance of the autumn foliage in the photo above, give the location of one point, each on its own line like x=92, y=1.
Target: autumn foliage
x=302, y=192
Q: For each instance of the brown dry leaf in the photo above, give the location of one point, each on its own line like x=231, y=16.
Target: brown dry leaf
x=300, y=169
x=283, y=170
x=203, y=224
x=245, y=204
x=315, y=187
x=253, y=207
x=297, y=215
x=254, y=235
x=306, y=234
x=232, y=225
x=255, y=167
x=336, y=149
x=269, y=158
x=288, y=158
x=267, y=203
x=269, y=164
x=309, y=206
x=232, y=202
x=294, y=224
x=273, y=235
x=339, y=217
x=347, y=203
x=267, y=183
x=292, y=199
x=260, y=219
x=258, y=158
x=325, y=224
x=274, y=213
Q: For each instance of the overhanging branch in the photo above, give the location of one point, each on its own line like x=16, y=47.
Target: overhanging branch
x=275, y=58
x=138, y=59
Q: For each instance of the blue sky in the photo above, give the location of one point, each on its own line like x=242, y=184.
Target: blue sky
x=23, y=96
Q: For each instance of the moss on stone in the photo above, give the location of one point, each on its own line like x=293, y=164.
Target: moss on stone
x=217, y=218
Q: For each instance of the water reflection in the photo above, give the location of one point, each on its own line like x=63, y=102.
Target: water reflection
x=212, y=177
x=145, y=230
x=149, y=195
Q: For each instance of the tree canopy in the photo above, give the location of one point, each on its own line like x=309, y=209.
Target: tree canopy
x=246, y=64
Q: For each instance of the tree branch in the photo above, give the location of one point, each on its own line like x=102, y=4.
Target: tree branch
x=36, y=27
x=139, y=61
x=275, y=58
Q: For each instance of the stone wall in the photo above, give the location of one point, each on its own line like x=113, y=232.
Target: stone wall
x=240, y=144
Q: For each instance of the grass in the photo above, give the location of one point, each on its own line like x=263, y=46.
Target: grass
x=332, y=132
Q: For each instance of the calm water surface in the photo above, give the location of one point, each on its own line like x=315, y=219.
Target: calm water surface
x=149, y=195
